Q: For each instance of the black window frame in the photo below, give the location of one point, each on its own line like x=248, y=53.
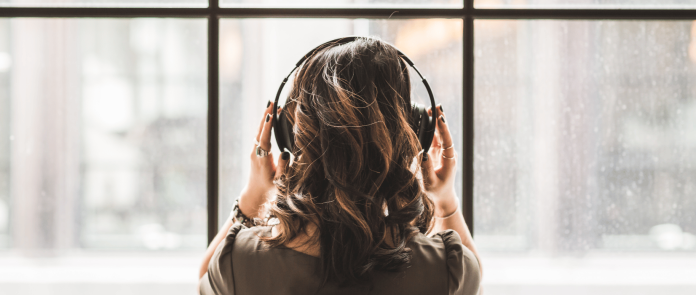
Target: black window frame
x=468, y=13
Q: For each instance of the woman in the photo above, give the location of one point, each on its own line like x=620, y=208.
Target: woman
x=351, y=213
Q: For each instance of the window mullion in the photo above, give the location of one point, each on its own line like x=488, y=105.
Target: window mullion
x=467, y=158
x=213, y=123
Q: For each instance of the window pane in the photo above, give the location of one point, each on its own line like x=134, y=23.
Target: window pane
x=640, y=4
x=585, y=156
x=5, y=139
x=344, y=3
x=104, y=3
x=106, y=121
x=256, y=54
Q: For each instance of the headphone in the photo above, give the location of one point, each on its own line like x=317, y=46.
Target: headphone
x=423, y=124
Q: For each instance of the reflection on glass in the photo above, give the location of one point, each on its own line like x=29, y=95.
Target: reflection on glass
x=585, y=155
x=104, y=3
x=255, y=56
x=640, y=4
x=343, y=3
x=106, y=129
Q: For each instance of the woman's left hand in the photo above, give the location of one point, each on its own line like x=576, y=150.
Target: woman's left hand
x=260, y=188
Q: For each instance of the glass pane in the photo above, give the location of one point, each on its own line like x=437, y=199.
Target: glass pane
x=104, y=3
x=256, y=54
x=640, y=4
x=585, y=156
x=344, y=3
x=5, y=139
x=106, y=121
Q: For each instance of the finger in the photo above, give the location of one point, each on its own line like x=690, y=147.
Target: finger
x=435, y=151
x=437, y=134
x=428, y=170
x=265, y=138
x=437, y=140
x=267, y=111
x=283, y=163
x=446, y=137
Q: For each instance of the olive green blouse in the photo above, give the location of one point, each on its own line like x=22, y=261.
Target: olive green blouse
x=242, y=264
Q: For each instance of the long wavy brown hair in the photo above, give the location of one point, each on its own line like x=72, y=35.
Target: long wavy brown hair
x=355, y=165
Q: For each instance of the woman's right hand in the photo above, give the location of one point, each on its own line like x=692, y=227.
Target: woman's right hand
x=440, y=169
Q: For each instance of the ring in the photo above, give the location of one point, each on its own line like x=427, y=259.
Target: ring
x=448, y=158
x=260, y=152
x=449, y=147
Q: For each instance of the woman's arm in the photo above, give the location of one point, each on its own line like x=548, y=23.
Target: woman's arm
x=259, y=186
x=439, y=171
x=455, y=221
x=213, y=245
x=247, y=203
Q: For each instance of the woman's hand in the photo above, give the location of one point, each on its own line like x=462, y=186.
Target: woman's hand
x=440, y=168
x=439, y=172
x=260, y=188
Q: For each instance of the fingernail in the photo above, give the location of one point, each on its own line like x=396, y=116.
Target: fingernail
x=268, y=104
x=441, y=109
x=425, y=157
x=285, y=156
x=268, y=117
x=442, y=118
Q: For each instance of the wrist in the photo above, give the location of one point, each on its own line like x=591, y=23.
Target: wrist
x=238, y=216
x=251, y=203
x=446, y=204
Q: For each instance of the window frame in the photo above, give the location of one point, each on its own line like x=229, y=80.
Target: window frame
x=468, y=13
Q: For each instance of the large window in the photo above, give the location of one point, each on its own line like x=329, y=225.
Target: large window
x=126, y=126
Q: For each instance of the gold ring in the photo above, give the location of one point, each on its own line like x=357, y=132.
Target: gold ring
x=443, y=155
x=449, y=147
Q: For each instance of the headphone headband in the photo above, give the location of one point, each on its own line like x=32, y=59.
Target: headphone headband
x=345, y=40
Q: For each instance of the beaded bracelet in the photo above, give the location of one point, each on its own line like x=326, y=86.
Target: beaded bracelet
x=238, y=216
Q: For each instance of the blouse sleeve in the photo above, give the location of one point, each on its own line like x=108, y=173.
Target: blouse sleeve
x=219, y=278
x=462, y=265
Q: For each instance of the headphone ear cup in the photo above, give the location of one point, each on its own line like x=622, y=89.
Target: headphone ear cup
x=422, y=124
x=415, y=120
x=429, y=132
x=283, y=132
x=425, y=136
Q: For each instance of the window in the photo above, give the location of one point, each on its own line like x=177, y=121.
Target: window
x=101, y=145
x=584, y=154
x=125, y=127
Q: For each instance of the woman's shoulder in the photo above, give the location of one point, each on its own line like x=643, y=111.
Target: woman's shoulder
x=255, y=232
x=248, y=240
x=461, y=264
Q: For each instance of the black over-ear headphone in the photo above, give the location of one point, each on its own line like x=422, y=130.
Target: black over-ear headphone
x=423, y=125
